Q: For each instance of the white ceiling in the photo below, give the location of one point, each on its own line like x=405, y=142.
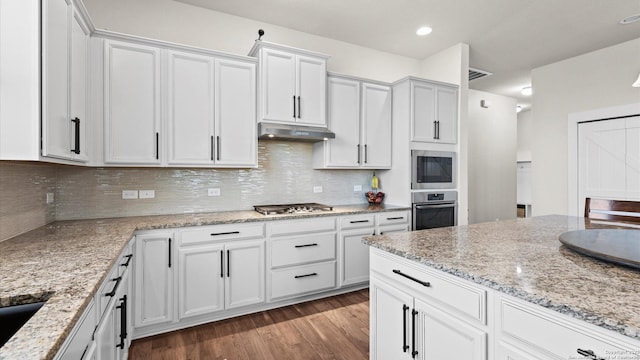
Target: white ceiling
x=506, y=37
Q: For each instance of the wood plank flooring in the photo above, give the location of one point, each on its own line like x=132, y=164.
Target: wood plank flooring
x=332, y=328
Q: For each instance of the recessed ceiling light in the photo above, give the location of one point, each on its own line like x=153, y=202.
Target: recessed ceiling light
x=526, y=91
x=425, y=30
x=630, y=19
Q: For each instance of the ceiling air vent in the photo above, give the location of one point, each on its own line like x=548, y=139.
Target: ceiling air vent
x=477, y=74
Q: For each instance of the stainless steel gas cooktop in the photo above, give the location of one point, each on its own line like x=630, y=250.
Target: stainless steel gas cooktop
x=292, y=208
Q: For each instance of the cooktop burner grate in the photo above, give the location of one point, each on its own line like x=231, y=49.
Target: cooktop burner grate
x=291, y=208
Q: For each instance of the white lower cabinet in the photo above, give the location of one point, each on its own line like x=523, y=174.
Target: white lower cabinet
x=354, y=254
x=113, y=334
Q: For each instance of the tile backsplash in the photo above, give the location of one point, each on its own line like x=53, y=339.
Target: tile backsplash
x=23, y=194
x=284, y=175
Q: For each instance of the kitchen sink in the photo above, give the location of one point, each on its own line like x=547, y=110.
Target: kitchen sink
x=14, y=317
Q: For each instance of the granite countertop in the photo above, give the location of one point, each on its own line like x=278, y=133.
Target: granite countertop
x=65, y=262
x=525, y=259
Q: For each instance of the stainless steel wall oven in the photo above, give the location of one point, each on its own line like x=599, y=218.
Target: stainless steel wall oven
x=434, y=209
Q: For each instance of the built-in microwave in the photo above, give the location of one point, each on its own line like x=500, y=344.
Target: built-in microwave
x=433, y=169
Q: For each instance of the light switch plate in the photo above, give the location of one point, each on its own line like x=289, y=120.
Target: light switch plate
x=213, y=192
x=317, y=189
x=50, y=198
x=147, y=194
x=129, y=194
x=357, y=188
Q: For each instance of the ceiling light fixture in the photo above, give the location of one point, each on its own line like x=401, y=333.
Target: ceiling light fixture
x=425, y=30
x=637, y=83
x=526, y=91
x=630, y=19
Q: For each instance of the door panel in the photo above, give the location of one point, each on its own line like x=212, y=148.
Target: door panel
x=201, y=280
x=278, y=85
x=390, y=321
x=344, y=121
x=245, y=276
x=312, y=74
x=376, y=108
x=423, y=115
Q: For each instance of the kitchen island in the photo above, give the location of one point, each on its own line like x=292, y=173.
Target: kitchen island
x=64, y=263
x=505, y=265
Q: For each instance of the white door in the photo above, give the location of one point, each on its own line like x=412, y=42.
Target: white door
x=633, y=158
x=344, y=121
x=444, y=337
x=190, y=109
x=153, y=292
x=132, y=104
x=376, y=126
x=278, y=71
x=245, y=273
x=201, y=280
x=311, y=90
x=355, y=256
x=79, y=75
x=235, y=113
x=105, y=335
x=601, y=160
x=446, y=115
x=55, y=78
x=391, y=324
x=423, y=121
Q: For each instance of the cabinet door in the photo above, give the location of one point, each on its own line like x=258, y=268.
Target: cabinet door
x=132, y=103
x=441, y=336
x=245, y=273
x=278, y=86
x=423, y=117
x=201, y=280
x=311, y=90
x=78, y=92
x=55, y=78
x=447, y=115
x=355, y=256
x=235, y=113
x=344, y=121
x=122, y=318
x=190, y=105
x=153, y=293
x=106, y=333
x=390, y=322
x=388, y=229
x=376, y=126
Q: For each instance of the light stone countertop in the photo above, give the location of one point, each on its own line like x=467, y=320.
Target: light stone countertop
x=65, y=262
x=525, y=259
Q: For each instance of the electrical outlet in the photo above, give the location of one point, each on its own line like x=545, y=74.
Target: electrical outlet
x=317, y=189
x=147, y=194
x=357, y=188
x=49, y=198
x=129, y=194
x=213, y=192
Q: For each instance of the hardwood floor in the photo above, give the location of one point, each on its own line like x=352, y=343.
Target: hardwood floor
x=330, y=328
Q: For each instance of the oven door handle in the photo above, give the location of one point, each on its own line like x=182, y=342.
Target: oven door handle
x=438, y=206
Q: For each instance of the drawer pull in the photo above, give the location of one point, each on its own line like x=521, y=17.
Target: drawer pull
x=128, y=260
x=225, y=233
x=115, y=287
x=221, y=263
x=396, y=218
x=358, y=221
x=414, y=314
x=423, y=283
x=589, y=354
x=405, y=346
x=305, y=275
x=306, y=245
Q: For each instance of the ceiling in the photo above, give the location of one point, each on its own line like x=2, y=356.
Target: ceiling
x=505, y=37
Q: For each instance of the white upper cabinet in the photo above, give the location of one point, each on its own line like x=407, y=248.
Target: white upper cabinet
x=132, y=104
x=360, y=116
x=292, y=85
x=434, y=112
x=65, y=39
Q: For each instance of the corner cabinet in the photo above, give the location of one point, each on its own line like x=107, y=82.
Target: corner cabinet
x=360, y=115
x=292, y=84
x=65, y=59
x=433, y=111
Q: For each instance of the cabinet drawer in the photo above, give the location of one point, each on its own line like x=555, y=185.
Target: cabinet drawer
x=205, y=234
x=452, y=293
x=106, y=291
x=300, y=226
x=303, y=249
x=303, y=279
x=552, y=334
x=392, y=218
x=356, y=221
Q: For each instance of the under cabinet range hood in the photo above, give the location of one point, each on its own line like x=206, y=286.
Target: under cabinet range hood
x=271, y=131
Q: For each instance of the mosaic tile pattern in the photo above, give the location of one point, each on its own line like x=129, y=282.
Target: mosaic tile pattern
x=284, y=175
x=525, y=259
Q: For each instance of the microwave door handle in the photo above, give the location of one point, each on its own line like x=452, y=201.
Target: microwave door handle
x=438, y=206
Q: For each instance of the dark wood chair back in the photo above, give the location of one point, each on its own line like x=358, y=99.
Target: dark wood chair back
x=613, y=210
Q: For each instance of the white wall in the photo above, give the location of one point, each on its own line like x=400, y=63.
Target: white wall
x=191, y=25
x=492, y=157
x=595, y=80
x=525, y=135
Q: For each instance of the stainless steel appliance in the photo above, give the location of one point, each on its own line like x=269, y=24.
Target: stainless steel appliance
x=433, y=169
x=434, y=209
x=291, y=208
x=269, y=131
